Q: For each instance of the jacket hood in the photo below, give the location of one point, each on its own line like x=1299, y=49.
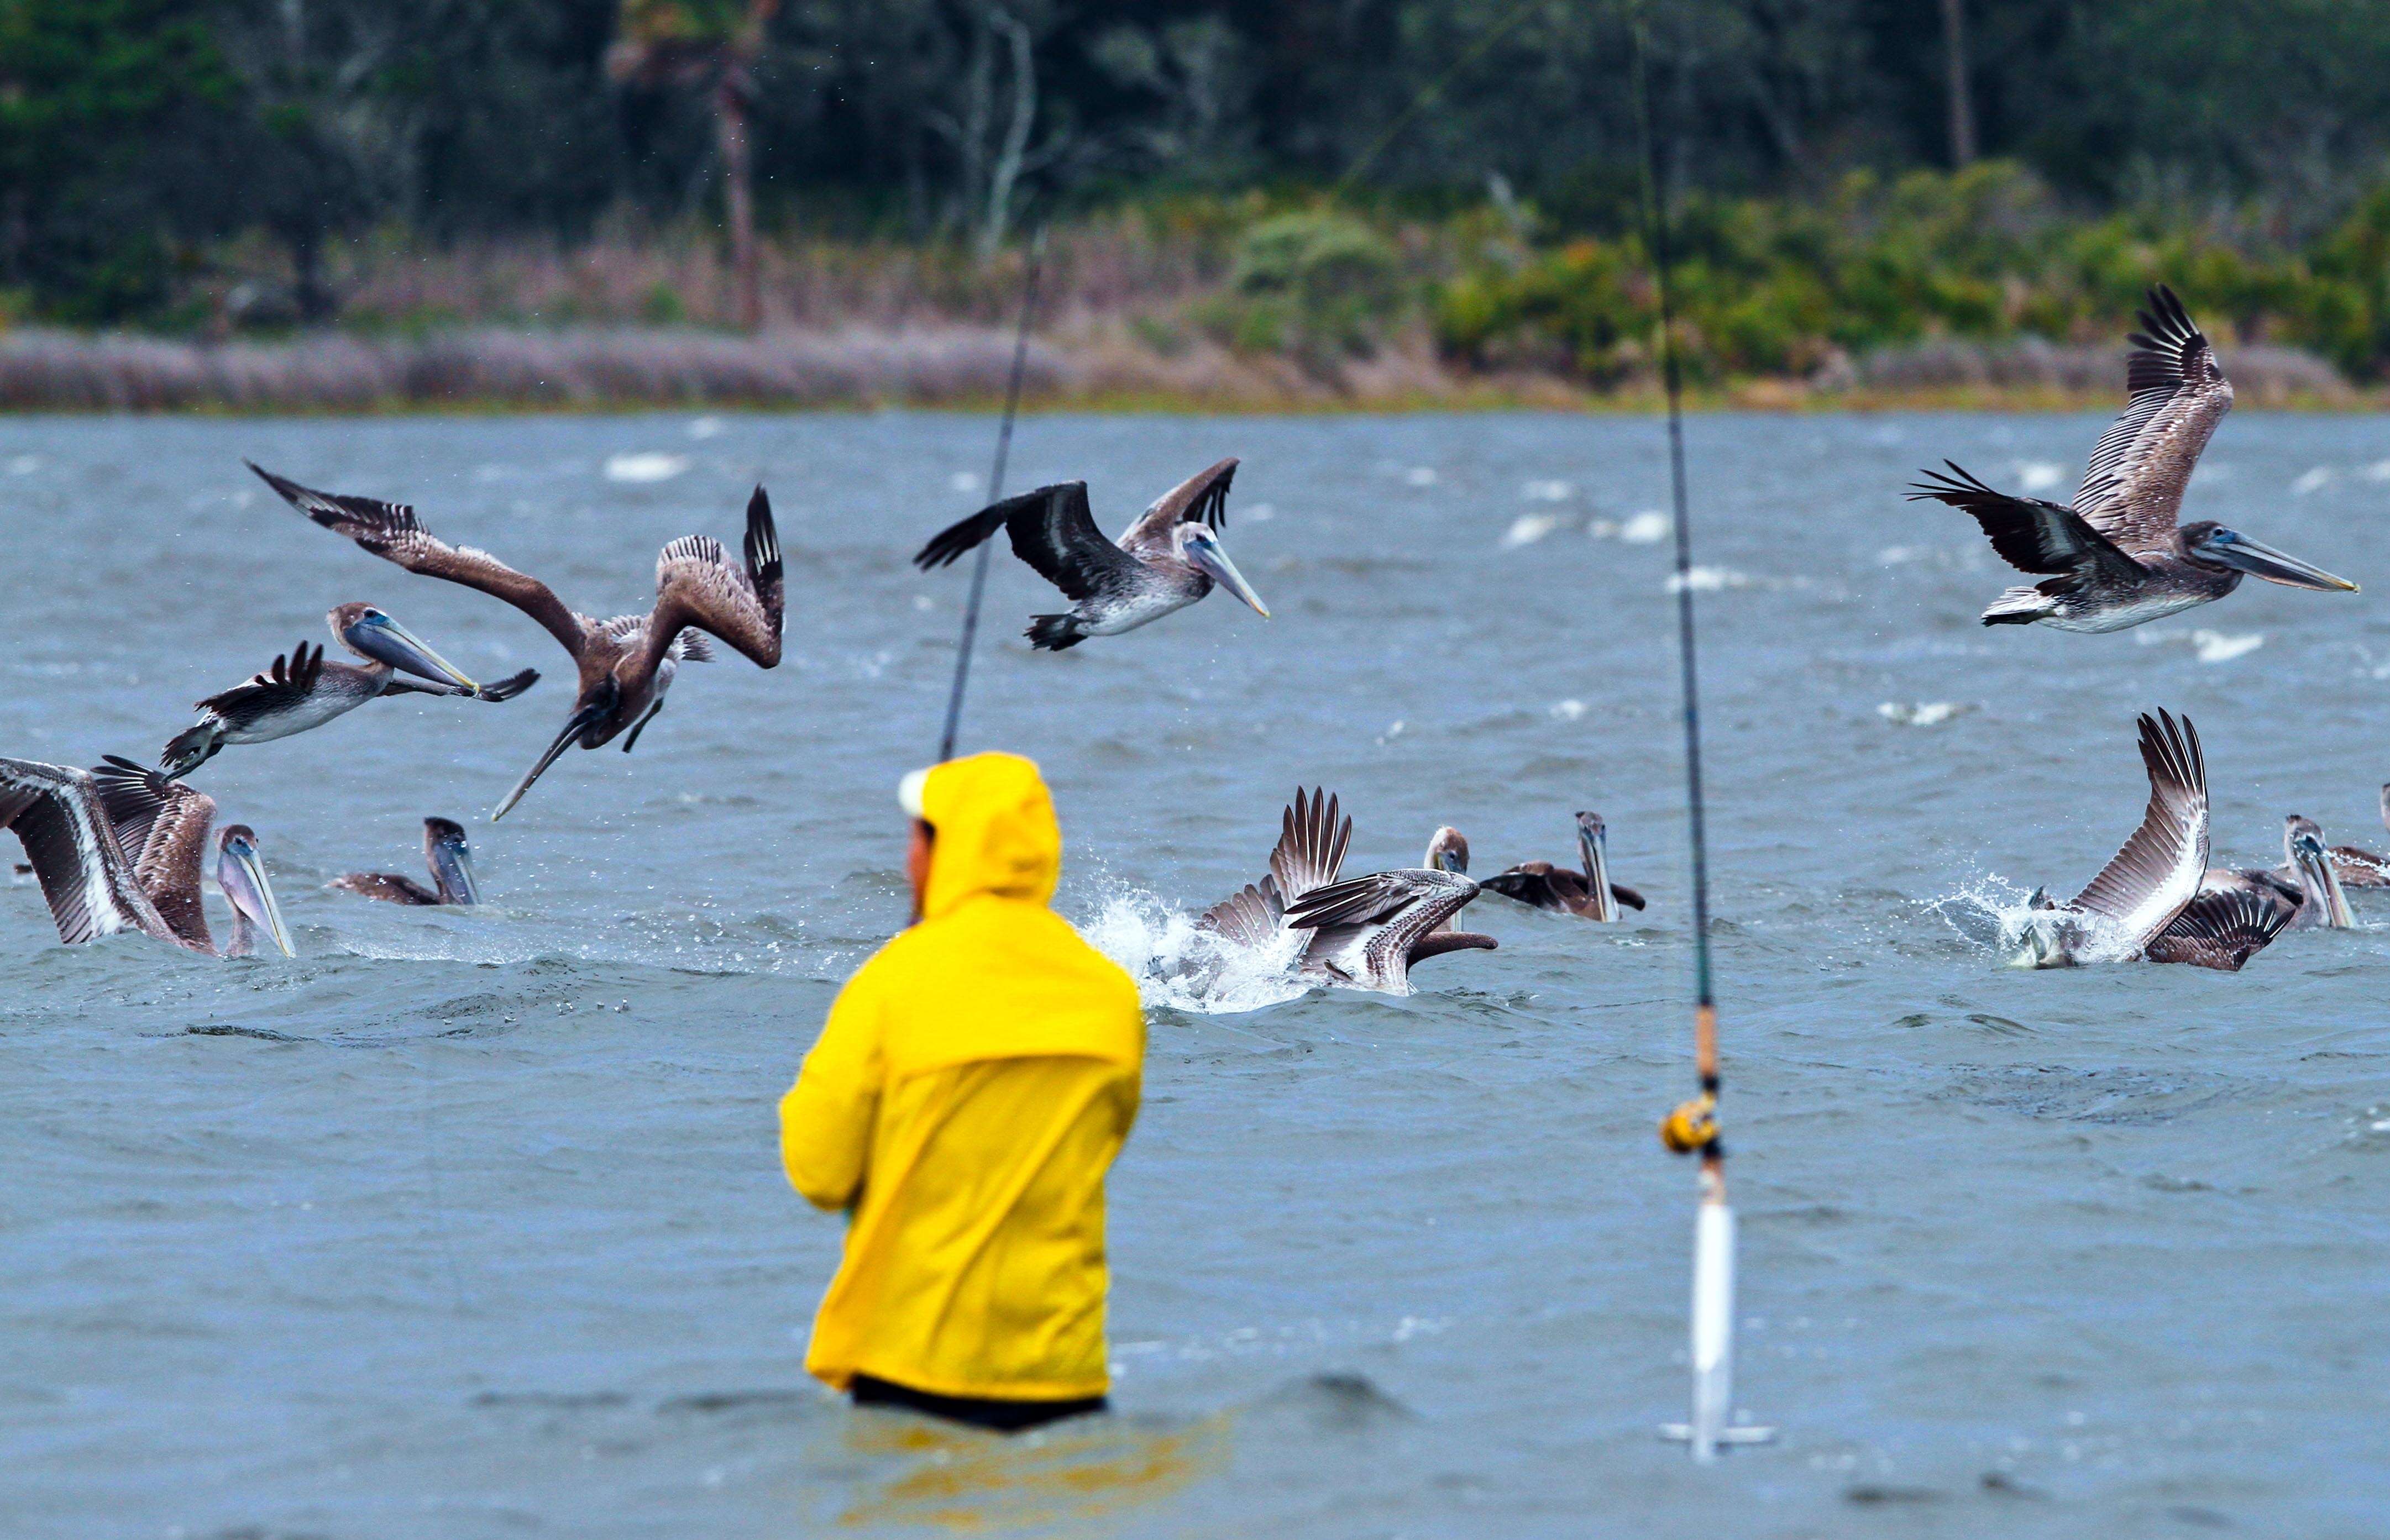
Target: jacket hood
x=995, y=832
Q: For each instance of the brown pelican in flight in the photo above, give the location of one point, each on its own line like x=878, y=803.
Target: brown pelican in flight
x=1166, y=560
x=1590, y=894
x=450, y=858
x=626, y=663
x=1365, y=933
x=2116, y=558
x=2148, y=883
x=301, y=691
x=120, y=847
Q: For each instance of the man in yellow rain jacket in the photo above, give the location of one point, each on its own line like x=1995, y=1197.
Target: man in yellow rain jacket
x=967, y=1095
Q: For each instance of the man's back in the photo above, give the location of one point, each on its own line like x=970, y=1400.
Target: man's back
x=972, y=1086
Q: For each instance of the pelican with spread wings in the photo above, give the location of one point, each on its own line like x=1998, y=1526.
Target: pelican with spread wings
x=121, y=848
x=2146, y=886
x=1166, y=560
x=2116, y=558
x=626, y=663
x=1365, y=933
x=300, y=690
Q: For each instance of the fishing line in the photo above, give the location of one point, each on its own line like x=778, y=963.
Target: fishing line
x=1426, y=95
x=1693, y=1127
x=995, y=494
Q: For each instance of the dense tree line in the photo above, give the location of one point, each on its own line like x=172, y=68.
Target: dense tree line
x=136, y=133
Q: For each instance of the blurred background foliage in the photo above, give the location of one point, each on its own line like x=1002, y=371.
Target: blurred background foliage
x=1314, y=179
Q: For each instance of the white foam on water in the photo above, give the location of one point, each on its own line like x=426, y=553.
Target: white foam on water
x=1708, y=580
x=1528, y=528
x=2378, y=471
x=24, y=464
x=964, y=481
x=1420, y=476
x=2319, y=477
x=1177, y=966
x=1647, y=528
x=707, y=428
x=2039, y=475
x=1997, y=915
x=1922, y=713
x=1260, y=513
x=1567, y=711
x=646, y=465
x=2216, y=647
x=1546, y=492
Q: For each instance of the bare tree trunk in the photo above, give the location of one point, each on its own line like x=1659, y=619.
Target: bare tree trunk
x=739, y=196
x=1962, y=104
x=1016, y=132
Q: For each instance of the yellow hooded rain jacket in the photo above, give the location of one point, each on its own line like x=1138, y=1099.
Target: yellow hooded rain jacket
x=972, y=1085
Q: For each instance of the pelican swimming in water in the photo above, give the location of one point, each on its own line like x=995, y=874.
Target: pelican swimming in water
x=2359, y=867
x=1365, y=933
x=2141, y=890
x=1590, y=894
x=1166, y=560
x=2316, y=869
x=2116, y=558
x=119, y=848
x=446, y=851
x=301, y=691
x=626, y=663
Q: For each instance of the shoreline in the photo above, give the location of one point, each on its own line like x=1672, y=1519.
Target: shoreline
x=493, y=371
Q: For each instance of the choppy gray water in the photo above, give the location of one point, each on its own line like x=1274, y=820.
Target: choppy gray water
x=469, y=1224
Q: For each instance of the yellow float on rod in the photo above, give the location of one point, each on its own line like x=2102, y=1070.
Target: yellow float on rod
x=1692, y=1128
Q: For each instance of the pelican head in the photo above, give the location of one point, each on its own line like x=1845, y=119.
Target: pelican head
x=1447, y=852
x=451, y=860
x=1593, y=845
x=2210, y=542
x=241, y=874
x=585, y=727
x=1200, y=546
x=371, y=634
x=2303, y=842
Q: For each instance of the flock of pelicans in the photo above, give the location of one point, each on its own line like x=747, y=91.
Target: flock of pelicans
x=121, y=847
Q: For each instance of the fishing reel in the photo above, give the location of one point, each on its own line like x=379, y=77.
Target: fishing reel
x=1692, y=1128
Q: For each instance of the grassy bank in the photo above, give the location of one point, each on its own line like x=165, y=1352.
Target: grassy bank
x=1974, y=288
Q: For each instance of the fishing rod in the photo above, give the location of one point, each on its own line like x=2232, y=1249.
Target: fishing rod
x=995, y=492
x=1692, y=1128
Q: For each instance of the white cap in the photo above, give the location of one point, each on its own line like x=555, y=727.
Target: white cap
x=909, y=792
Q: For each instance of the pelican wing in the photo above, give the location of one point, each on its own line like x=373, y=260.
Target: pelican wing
x=391, y=532
x=83, y=872
x=1052, y=530
x=2176, y=394
x=2161, y=867
x=161, y=826
x=1203, y=499
x=2029, y=534
x=1310, y=851
x=290, y=679
x=1534, y=882
x=1382, y=897
x=2359, y=867
x=2223, y=928
x=698, y=588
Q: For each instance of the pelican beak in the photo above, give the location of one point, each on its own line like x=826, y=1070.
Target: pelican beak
x=386, y=641
x=2231, y=548
x=580, y=722
x=2323, y=878
x=241, y=874
x=1593, y=844
x=1206, y=552
x=451, y=863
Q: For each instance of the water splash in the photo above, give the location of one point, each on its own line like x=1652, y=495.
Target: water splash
x=1178, y=967
x=644, y=468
